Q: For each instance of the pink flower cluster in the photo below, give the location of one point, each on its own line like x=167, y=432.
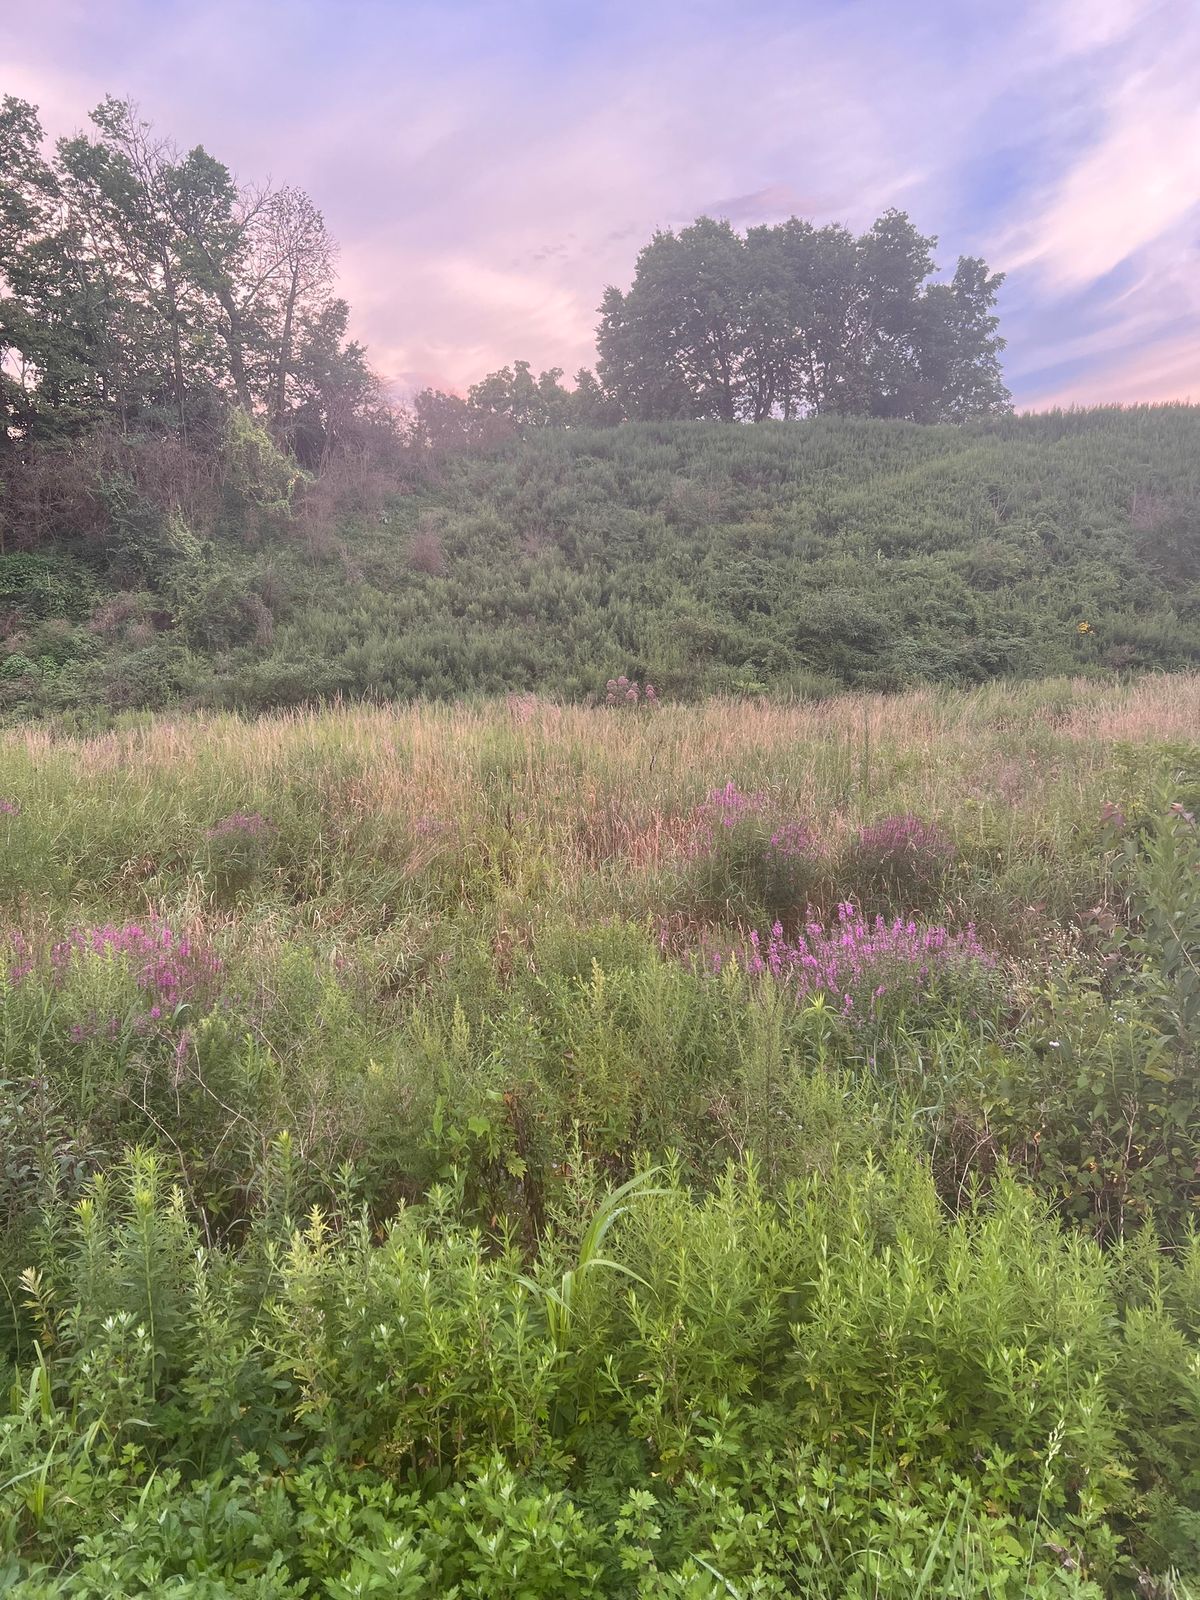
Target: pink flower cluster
x=790, y=840
x=21, y=951
x=167, y=968
x=9, y=808
x=859, y=962
x=241, y=825
x=726, y=807
x=626, y=692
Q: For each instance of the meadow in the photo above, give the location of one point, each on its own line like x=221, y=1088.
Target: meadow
x=518, y=1149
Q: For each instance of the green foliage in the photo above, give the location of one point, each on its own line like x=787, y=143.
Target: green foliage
x=143, y=288
x=834, y=1380
x=144, y=541
x=792, y=320
x=406, y=1207
x=260, y=481
x=38, y=587
x=787, y=559
x=1162, y=859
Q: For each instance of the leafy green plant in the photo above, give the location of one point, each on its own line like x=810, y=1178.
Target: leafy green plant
x=559, y=1298
x=1162, y=859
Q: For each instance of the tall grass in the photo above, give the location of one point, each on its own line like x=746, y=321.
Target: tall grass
x=395, y=1196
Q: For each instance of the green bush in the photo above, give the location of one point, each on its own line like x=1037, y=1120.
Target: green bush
x=781, y=559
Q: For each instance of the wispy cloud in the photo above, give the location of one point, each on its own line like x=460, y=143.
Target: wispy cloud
x=1140, y=175
x=489, y=167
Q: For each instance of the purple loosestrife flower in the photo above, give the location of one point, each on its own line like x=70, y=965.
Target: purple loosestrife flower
x=22, y=958
x=901, y=859
x=522, y=706
x=791, y=840
x=166, y=969
x=241, y=825
x=861, y=961
x=728, y=806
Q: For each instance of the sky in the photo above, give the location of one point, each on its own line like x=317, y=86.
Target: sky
x=488, y=166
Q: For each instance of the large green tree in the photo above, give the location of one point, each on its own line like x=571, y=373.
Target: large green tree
x=792, y=319
x=142, y=284
x=61, y=314
x=514, y=394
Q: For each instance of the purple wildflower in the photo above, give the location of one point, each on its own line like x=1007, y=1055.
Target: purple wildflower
x=728, y=806
x=862, y=961
x=791, y=840
x=166, y=969
x=241, y=825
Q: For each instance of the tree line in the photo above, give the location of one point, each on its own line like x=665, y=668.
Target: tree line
x=785, y=321
x=145, y=288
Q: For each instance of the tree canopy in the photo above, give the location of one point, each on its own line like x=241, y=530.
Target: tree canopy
x=795, y=320
x=144, y=285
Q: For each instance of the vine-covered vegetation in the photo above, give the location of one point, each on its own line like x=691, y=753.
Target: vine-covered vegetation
x=207, y=497
x=792, y=557
x=639, y=1151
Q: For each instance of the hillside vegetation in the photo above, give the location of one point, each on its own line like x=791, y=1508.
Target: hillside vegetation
x=702, y=557
x=525, y=1152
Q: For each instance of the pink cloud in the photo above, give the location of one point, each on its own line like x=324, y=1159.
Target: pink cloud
x=487, y=181
x=1167, y=370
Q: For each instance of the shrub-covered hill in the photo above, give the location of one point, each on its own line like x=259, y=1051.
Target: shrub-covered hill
x=699, y=556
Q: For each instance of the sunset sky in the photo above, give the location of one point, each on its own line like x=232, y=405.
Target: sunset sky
x=489, y=166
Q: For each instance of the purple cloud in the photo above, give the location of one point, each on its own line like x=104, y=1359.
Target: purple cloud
x=488, y=168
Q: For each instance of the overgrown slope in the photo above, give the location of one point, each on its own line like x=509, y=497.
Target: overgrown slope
x=699, y=556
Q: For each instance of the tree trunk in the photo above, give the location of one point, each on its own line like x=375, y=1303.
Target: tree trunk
x=233, y=339
x=176, y=343
x=283, y=366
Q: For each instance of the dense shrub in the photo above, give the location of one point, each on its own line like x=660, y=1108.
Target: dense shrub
x=897, y=862
x=748, y=860
x=702, y=557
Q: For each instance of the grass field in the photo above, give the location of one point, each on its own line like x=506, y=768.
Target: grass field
x=521, y=1150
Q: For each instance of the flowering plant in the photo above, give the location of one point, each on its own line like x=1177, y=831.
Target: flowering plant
x=625, y=691
x=866, y=967
x=236, y=851
x=898, y=861
x=139, y=975
x=746, y=861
